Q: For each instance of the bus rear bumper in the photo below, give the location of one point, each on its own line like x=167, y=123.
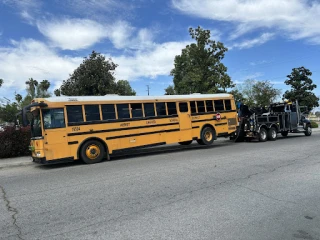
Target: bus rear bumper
x=44, y=161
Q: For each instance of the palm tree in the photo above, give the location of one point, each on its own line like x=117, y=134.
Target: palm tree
x=32, y=84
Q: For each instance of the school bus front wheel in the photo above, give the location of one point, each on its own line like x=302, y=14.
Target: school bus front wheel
x=92, y=151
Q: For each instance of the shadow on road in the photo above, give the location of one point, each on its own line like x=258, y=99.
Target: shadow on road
x=127, y=154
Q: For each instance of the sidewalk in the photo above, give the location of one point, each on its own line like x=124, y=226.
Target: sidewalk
x=27, y=160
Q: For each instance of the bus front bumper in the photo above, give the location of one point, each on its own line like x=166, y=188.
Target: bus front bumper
x=44, y=161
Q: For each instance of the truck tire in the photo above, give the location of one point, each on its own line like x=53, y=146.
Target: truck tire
x=92, y=151
x=272, y=134
x=263, y=135
x=284, y=134
x=308, y=132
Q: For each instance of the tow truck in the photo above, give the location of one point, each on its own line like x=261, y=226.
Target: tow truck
x=265, y=124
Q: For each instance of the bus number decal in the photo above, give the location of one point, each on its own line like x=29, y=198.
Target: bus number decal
x=151, y=122
x=195, y=118
x=173, y=120
x=75, y=129
x=124, y=124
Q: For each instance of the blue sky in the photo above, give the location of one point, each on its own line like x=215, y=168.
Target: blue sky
x=48, y=39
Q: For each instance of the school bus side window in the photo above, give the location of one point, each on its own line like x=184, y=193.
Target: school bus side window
x=123, y=111
x=136, y=110
x=149, y=109
x=227, y=104
x=172, y=108
x=74, y=114
x=92, y=112
x=53, y=118
x=193, y=107
x=161, y=109
x=108, y=112
x=201, y=108
x=209, y=105
x=218, y=104
x=183, y=107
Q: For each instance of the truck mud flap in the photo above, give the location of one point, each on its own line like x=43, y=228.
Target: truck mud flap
x=239, y=137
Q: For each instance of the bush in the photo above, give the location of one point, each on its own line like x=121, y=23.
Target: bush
x=314, y=124
x=14, y=143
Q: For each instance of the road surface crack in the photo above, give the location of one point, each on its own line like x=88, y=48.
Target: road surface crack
x=265, y=195
x=12, y=210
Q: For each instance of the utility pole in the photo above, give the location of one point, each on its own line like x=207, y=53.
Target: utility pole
x=148, y=89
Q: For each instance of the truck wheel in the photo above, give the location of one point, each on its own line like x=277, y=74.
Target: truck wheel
x=284, y=134
x=185, y=142
x=207, y=136
x=263, y=135
x=200, y=142
x=272, y=134
x=92, y=152
x=308, y=132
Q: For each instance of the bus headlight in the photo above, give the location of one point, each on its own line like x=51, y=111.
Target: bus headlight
x=38, y=154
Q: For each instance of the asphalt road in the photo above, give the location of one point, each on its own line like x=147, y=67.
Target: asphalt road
x=227, y=191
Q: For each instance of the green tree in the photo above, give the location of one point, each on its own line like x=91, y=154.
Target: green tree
x=317, y=114
x=1, y=82
x=264, y=93
x=8, y=112
x=122, y=87
x=94, y=76
x=31, y=87
x=18, y=98
x=57, y=92
x=238, y=96
x=301, y=88
x=42, y=89
x=199, y=67
x=257, y=93
x=170, y=90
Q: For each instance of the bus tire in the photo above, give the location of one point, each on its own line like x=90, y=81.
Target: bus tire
x=186, y=142
x=207, y=135
x=308, y=131
x=263, y=135
x=92, y=151
x=272, y=134
x=284, y=134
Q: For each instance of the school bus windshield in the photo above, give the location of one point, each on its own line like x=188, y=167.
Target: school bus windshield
x=36, y=124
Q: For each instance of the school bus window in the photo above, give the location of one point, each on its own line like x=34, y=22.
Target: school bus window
x=53, y=118
x=92, y=112
x=74, y=114
x=123, y=111
x=136, y=110
x=209, y=105
x=172, y=108
x=201, y=108
x=161, y=109
x=193, y=107
x=227, y=104
x=108, y=112
x=183, y=107
x=218, y=104
x=149, y=109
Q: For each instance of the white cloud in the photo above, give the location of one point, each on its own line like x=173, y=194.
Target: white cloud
x=294, y=18
x=265, y=37
x=151, y=63
x=72, y=34
x=31, y=58
x=25, y=7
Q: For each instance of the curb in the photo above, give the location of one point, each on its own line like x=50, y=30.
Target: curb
x=12, y=165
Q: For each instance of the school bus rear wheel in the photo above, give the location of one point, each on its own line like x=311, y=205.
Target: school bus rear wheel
x=207, y=136
x=186, y=142
x=92, y=152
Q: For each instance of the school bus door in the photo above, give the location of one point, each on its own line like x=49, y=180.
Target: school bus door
x=185, y=122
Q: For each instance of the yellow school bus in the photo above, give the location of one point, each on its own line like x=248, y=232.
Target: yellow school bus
x=92, y=128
